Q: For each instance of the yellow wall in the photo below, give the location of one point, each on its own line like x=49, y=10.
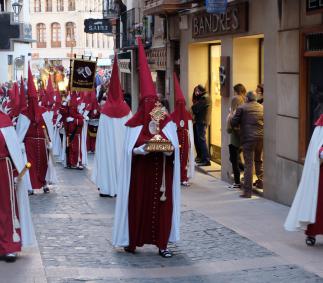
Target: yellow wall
x=198, y=67
x=246, y=62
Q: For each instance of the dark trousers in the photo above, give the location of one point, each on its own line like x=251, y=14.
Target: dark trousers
x=200, y=142
x=252, y=152
x=236, y=162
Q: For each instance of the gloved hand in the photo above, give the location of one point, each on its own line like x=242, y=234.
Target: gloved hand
x=69, y=119
x=140, y=150
x=321, y=155
x=64, y=103
x=15, y=180
x=168, y=153
x=49, y=145
x=86, y=118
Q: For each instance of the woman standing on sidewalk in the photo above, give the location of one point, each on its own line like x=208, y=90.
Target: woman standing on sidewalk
x=235, y=147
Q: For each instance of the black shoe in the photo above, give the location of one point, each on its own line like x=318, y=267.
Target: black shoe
x=165, y=253
x=206, y=163
x=129, y=250
x=105, y=196
x=198, y=160
x=10, y=257
x=46, y=190
x=31, y=193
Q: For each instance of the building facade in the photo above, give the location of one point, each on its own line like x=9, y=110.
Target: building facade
x=275, y=43
x=16, y=38
x=58, y=28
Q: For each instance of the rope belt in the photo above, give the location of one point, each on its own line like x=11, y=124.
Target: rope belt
x=15, y=221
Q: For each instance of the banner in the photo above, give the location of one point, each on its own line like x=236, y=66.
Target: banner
x=83, y=75
x=216, y=6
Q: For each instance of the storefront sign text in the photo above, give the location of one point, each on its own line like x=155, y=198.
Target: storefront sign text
x=234, y=20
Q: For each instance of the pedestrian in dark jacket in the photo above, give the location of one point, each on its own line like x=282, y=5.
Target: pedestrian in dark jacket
x=201, y=112
x=250, y=118
x=237, y=100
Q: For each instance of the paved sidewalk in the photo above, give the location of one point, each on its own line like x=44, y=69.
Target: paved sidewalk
x=224, y=239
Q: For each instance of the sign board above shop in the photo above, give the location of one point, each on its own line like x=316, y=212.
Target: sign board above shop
x=216, y=6
x=314, y=6
x=234, y=20
x=97, y=26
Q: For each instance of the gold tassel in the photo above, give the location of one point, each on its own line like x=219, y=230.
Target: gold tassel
x=163, y=186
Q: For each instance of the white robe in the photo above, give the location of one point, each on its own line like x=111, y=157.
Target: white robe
x=303, y=209
x=22, y=128
x=27, y=229
x=57, y=143
x=191, y=160
x=108, y=153
x=121, y=222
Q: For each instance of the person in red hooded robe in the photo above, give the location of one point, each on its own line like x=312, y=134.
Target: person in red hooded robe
x=306, y=212
x=73, y=124
x=148, y=201
x=16, y=229
x=183, y=119
x=94, y=114
x=110, y=139
x=35, y=131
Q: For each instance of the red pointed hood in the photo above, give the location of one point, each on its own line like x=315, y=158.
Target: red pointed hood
x=14, y=101
x=5, y=120
x=180, y=116
x=48, y=98
x=319, y=121
x=33, y=111
x=93, y=102
x=23, y=103
x=115, y=107
x=146, y=84
x=148, y=96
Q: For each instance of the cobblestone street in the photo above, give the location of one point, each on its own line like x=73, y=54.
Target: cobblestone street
x=74, y=230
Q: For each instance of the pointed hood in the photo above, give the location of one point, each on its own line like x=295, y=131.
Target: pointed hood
x=48, y=98
x=146, y=84
x=319, y=121
x=115, y=107
x=148, y=95
x=180, y=116
x=93, y=102
x=5, y=120
x=22, y=100
x=33, y=111
x=14, y=101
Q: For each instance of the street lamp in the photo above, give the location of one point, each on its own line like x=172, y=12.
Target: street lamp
x=16, y=7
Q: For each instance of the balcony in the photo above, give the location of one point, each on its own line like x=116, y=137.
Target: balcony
x=56, y=44
x=158, y=7
x=70, y=43
x=41, y=44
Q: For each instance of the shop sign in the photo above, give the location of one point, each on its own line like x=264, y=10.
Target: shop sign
x=314, y=6
x=233, y=20
x=97, y=26
x=83, y=75
x=216, y=6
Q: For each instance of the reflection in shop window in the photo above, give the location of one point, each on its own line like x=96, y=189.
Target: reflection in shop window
x=315, y=84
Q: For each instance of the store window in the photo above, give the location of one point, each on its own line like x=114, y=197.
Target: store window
x=311, y=85
x=37, y=6
x=49, y=5
x=71, y=5
x=70, y=34
x=60, y=5
x=56, y=35
x=41, y=35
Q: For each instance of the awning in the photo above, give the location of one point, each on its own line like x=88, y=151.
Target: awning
x=104, y=62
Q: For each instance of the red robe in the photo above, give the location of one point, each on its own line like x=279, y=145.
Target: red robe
x=7, y=244
x=37, y=153
x=183, y=138
x=150, y=219
x=317, y=228
x=74, y=140
x=92, y=132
